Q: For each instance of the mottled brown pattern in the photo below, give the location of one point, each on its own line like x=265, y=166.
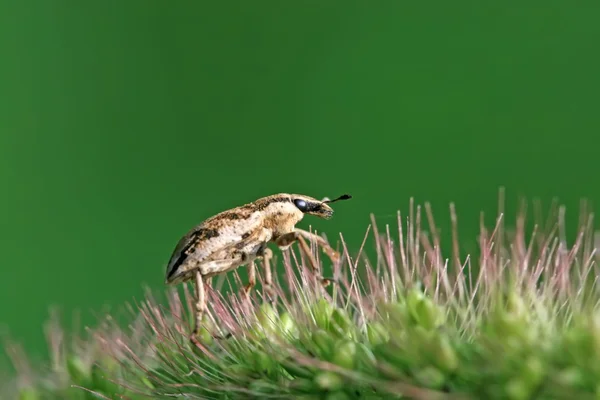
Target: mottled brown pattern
x=263, y=203
x=231, y=215
x=245, y=211
x=207, y=233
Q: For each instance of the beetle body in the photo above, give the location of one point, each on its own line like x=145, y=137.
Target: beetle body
x=238, y=236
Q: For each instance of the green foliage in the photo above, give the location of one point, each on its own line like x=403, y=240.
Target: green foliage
x=527, y=326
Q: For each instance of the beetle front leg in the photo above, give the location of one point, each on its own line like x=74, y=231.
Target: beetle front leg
x=288, y=239
x=331, y=253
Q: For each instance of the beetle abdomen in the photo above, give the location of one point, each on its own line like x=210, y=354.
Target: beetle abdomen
x=184, y=249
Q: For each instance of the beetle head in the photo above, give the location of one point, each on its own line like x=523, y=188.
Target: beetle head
x=312, y=206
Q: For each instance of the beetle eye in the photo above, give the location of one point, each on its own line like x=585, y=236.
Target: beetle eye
x=301, y=204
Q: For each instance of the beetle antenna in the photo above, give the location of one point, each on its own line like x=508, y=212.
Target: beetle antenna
x=342, y=197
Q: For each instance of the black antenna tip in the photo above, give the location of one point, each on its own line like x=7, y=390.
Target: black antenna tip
x=342, y=197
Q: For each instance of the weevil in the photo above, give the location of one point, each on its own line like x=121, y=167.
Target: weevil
x=239, y=236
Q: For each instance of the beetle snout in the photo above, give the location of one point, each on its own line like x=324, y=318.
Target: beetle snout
x=326, y=211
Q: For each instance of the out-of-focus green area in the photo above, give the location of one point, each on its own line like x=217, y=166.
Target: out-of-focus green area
x=123, y=124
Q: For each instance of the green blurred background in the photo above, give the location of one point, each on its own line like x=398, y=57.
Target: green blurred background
x=124, y=123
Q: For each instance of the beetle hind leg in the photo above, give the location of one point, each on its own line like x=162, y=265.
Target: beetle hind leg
x=268, y=290
x=251, y=279
x=200, y=307
x=200, y=280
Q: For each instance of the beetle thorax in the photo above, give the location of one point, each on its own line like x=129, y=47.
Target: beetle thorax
x=281, y=217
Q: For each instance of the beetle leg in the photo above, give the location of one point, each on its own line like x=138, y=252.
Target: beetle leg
x=251, y=279
x=260, y=253
x=200, y=307
x=203, y=276
x=287, y=239
x=331, y=253
x=268, y=283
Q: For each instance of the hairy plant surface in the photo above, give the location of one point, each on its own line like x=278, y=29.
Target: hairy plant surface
x=517, y=321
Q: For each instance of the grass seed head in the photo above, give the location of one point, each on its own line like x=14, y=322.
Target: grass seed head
x=516, y=320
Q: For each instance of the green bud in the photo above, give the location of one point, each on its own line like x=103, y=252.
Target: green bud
x=339, y=395
x=344, y=354
x=267, y=317
x=518, y=389
x=147, y=382
x=322, y=311
x=77, y=370
x=575, y=339
x=398, y=315
x=433, y=315
x=395, y=357
x=444, y=353
x=570, y=377
x=101, y=380
x=533, y=371
x=340, y=324
x=261, y=386
x=515, y=305
x=323, y=342
x=205, y=337
x=307, y=396
x=413, y=298
x=288, y=326
x=511, y=326
x=329, y=380
x=262, y=362
x=29, y=394
x=365, y=357
x=422, y=337
x=510, y=323
x=430, y=377
x=239, y=370
x=304, y=385
x=296, y=370
x=423, y=310
x=377, y=333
